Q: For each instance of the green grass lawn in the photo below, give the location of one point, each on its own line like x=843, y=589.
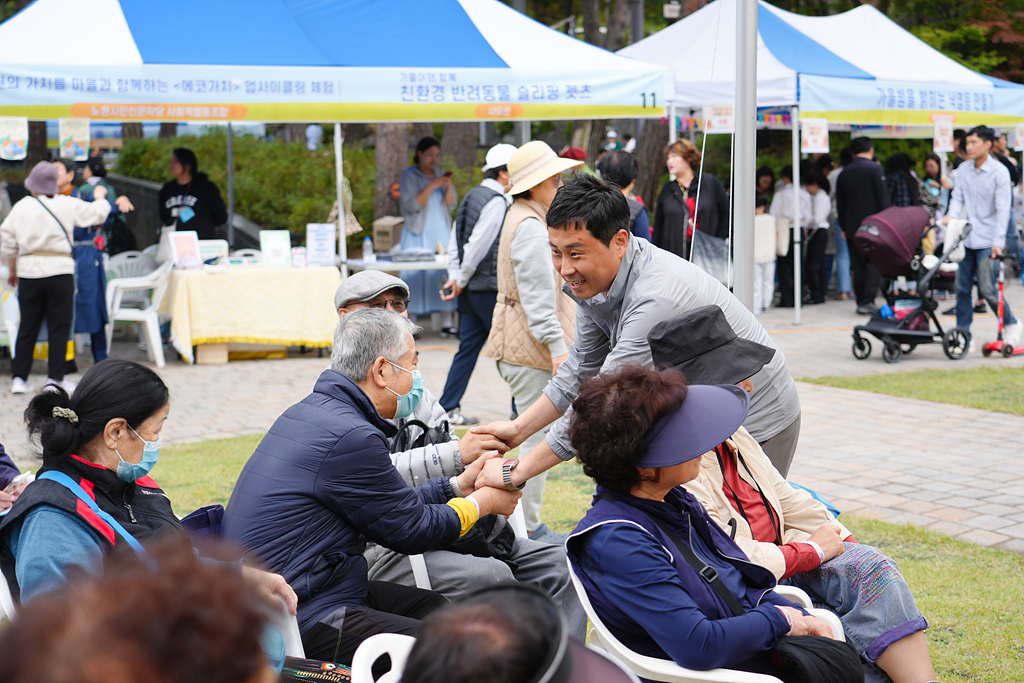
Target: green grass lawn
x=972, y=596
x=995, y=388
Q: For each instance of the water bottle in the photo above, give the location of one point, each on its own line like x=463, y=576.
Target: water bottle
x=368, y=255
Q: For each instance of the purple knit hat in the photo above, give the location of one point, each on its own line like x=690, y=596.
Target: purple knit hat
x=43, y=179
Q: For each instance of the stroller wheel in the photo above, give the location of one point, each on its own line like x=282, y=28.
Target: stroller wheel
x=891, y=352
x=861, y=348
x=956, y=342
x=1007, y=350
x=987, y=351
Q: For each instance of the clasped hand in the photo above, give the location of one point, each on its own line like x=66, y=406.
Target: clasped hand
x=806, y=625
x=492, y=499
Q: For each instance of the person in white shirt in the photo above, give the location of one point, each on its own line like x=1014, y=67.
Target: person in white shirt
x=784, y=204
x=815, y=236
x=764, y=256
x=36, y=238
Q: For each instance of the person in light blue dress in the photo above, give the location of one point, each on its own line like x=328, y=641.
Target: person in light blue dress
x=428, y=198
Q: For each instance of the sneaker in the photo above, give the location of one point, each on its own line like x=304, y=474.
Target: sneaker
x=449, y=333
x=543, y=534
x=20, y=386
x=970, y=347
x=980, y=307
x=866, y=309
x=457, y=419
x=66, y=384
x=950, y=311
x=1011, y=333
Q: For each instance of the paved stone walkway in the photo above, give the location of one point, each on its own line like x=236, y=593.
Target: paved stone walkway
x=955, y=470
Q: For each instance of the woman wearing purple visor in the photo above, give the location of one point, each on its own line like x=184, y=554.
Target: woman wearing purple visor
x=664, y=578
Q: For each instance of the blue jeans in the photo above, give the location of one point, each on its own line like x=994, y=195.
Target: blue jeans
x=977, y=264
x=1012, y=249
x=866, y=591
x=843, y=283
x=475, y=312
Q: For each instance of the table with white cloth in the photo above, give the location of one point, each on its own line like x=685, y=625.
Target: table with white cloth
x=251, y=305
x=356, y=265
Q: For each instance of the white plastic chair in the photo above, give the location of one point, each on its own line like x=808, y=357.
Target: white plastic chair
x=10, y=314
x=394, y=645
x=131, y=264
x=209, y=249
x=6, y=599
x=152, y=250
x=148, y=317
x=254, y=255
x=419, y=565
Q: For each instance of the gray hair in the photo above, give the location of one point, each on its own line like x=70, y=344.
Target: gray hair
x=364, y=335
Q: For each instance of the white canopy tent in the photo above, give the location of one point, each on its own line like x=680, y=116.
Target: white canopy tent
x=858, y=67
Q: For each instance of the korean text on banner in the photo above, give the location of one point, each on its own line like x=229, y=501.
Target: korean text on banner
x=942, y=141
x=74, y=139
x=814, y=136
x=320, y=239
x=13, y=137
x=721, y=118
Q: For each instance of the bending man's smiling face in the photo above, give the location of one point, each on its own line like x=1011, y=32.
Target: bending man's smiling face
x=586, y=264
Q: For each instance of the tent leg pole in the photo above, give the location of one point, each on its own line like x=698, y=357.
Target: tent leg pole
x=231, y=187
x=798, y=294
x=673, y=133
x=340, y=177
x=745, y=173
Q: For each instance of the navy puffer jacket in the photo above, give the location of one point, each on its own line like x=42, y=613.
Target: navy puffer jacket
x=319, y=485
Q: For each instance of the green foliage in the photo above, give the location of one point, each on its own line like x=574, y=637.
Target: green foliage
x=278, y=186
x=966, y=44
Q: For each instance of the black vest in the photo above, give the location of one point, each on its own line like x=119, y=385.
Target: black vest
x=485, y=279
x=141, y=507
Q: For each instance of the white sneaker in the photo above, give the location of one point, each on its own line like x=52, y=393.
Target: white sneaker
x=970, y=347
x=20, y=386
x=66, y=384
x=1011, y=333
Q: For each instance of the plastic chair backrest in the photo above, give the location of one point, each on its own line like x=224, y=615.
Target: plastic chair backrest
x=6, y=599
x=129, y=264
x=652, y=667
x=248, y=253
x=152, y=250
x=394, y=645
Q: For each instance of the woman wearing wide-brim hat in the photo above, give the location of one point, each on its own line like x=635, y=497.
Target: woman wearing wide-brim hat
x=534, y=321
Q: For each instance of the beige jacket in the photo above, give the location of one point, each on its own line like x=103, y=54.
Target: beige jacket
x=42, y=247
x=800, y=514
x=510, y=339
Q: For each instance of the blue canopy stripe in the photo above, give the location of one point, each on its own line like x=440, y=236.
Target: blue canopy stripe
x=798, y=52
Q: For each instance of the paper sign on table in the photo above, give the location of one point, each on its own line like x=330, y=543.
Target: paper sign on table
x=276, y=246
x=721, y=118
x=320, y=239
x=13, y=137
x=1018, y=137
x=185, y=249
x=942, y=140
x=74, y=139
x=814, y=136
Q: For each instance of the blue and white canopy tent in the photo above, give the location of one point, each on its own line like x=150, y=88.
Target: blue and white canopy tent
x=310, y=60
x=854, y=68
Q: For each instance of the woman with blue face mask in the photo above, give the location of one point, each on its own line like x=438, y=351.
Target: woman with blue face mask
x=100, y=442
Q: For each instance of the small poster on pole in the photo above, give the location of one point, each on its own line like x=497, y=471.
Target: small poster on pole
x=320, y=238
x=13, y=137
x=1018, y=137
x=74, y=139
x=942, y=140
x=814, y=136
x=721, y=118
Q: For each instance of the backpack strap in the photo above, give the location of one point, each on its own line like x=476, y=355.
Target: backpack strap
x=70, y=484
x=704, y=570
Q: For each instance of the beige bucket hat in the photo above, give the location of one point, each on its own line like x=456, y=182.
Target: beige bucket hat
x=535, y=162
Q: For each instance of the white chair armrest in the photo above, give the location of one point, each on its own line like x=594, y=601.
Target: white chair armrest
x=832, y=620
x=395, y=645
x=794, y=594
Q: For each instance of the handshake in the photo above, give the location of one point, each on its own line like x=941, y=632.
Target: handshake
x=482, y=450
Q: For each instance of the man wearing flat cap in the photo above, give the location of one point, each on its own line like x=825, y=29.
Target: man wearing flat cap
x=623, y=288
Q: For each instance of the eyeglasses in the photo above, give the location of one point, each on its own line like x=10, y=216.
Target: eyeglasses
x=397, y=305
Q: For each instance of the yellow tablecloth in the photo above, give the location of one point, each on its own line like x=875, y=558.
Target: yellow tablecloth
x=251, y=304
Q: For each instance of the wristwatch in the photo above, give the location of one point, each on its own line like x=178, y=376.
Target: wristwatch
x=506, y=475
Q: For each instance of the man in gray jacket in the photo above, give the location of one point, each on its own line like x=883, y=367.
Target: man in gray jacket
x=451, y=574
x=623, y=287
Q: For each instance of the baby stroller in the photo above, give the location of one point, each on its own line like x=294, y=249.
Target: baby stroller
x=890, y=241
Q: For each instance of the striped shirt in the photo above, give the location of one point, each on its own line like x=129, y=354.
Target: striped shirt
x=985, y=193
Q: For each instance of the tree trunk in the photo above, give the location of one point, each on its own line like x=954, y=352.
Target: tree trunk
x=36, y=151
x=168, y=130
x=618, y=26
x=614, y=39
x=650, y=161
x=459, y=142
x=131, y=131
x=422, y=130
x=297, y=133
x=392, y=159
x=592, y=22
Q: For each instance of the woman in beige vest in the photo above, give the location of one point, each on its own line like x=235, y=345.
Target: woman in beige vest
x=534, y=320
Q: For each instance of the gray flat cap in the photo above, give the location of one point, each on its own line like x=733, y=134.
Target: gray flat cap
x=365, y=285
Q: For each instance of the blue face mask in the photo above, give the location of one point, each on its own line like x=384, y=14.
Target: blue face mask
x=150, y=453
x=408, y=403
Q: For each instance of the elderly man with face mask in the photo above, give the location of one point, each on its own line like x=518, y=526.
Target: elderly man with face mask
x=426, y=447
x=321, y=483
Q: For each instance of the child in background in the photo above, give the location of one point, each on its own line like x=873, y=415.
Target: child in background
x=764, y=256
